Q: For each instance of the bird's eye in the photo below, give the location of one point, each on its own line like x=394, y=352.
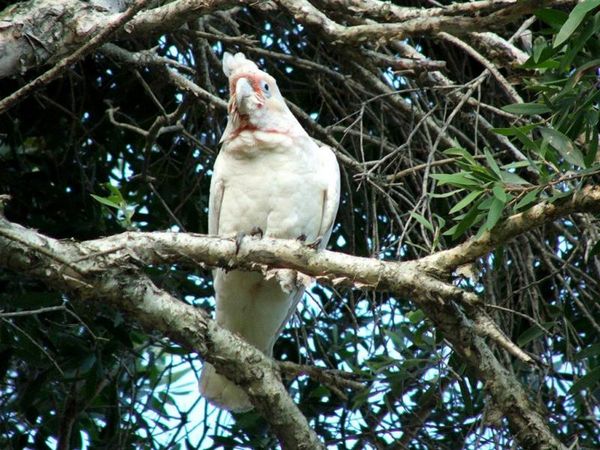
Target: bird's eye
x=266, y=89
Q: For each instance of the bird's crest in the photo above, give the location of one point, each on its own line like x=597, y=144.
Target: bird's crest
x=237, y=63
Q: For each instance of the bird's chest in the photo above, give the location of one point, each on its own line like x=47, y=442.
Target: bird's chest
x=279, y=191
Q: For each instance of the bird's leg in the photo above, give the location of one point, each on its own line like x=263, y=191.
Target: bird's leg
x=239, y=237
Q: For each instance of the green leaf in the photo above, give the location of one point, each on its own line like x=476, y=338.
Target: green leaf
x=575, y=18
x=360, y=398
x=469, y=198
x=466, y=221
x=445, y=194
x=512, y=178
x=552, y=17
x=516, y=165
x=533, y=333
x=564, y=145
x=494, y=213
x=483, y=175
x=539, y=45
x=589, y=380
x=114, y=190
x=512, y=131
x=527, y=199
x=319, y=392
x=576, y=45
x=457, y=179
x=527, y=108
x=422, y=220
x=545, y=61
x=491, y=162
x=580, y=72
x=526, y=141
x=397, y=338
x=461, y=152
x=87, y=363
x=557, y=195
x=106, y=201
x=416, y=316
x=499, y=193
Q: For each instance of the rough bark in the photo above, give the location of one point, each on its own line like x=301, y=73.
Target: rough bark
x=95, y=41
x=411, y=21
x=40, y=32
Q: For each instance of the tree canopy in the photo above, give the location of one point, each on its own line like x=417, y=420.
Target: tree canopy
x=457, y=305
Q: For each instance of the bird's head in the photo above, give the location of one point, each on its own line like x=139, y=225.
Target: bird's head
x=255, y=102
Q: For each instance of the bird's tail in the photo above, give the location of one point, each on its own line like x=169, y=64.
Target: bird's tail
x=222, y=392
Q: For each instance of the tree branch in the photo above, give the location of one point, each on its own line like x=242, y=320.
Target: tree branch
x=107, y=269
x=586, y=200
x=110, y=28
x=171, y=16
x=418, y=21
x=124, y=287
x=37, y=33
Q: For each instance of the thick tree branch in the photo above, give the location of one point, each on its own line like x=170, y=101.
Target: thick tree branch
x=39, y=32
x=416, y=22
x=174, y=14
x=110, y=28
x=386, y=12
x=106, y=269
x=67, y=266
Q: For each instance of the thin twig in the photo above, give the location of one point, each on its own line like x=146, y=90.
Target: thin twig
x=32, y=312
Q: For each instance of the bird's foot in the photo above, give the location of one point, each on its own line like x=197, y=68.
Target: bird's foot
x=314, y=244
x=255, y=231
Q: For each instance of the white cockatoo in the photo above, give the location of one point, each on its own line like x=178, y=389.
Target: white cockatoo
x=270, y=177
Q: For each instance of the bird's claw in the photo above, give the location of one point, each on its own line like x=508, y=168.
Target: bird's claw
x=314, y=244
x=256, y=231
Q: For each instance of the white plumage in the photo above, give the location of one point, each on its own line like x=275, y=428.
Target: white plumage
x=270, y=175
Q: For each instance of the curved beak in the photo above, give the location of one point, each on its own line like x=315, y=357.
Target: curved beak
x=243, y=93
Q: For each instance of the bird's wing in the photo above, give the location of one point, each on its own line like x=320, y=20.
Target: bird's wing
x=331, y=200
x=215, y=200
x=331, y=195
